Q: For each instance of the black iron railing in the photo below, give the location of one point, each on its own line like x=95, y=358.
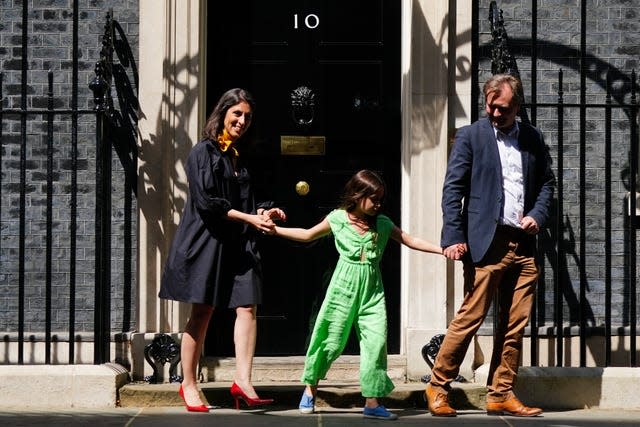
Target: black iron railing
x=114, y=129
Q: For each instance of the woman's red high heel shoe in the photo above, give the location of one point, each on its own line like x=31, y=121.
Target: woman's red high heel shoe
x=199, y=408
x=238, y=394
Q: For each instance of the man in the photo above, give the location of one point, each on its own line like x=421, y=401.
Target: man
x=497, y=194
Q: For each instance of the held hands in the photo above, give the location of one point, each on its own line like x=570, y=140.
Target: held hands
x=266, y=217
x=275, y=214
x=455, y=251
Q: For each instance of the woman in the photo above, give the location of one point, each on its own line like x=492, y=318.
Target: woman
x=213, y=258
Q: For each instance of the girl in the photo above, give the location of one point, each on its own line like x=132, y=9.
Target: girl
x=355, y=295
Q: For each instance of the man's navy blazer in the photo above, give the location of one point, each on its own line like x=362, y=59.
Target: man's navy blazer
x=473, y=196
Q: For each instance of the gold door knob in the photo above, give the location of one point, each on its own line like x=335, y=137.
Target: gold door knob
x=302, y=188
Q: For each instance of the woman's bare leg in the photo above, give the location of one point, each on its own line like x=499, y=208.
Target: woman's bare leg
x=244, y=337
x=191, y=348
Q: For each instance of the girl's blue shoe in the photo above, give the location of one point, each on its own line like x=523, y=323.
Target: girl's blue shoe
x=380, y=413
x=307, y=404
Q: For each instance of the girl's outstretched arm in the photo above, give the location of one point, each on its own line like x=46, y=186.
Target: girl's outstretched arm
x=304, y=234
x=414, y=242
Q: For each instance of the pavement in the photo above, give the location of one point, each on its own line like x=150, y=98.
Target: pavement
x=284, y=417
x=141, y=404
x=570, y=398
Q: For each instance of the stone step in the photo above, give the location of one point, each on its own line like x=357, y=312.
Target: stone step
x=289, y=369
x=279, y=378
x=287, y=395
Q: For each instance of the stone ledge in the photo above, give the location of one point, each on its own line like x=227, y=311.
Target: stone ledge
x=61, y=386
x=103, y=386
x=575, y=388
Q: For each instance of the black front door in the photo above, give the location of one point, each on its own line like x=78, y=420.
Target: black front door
x=326, y=78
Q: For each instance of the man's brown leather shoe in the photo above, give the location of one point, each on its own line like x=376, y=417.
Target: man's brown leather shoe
x=512, y=406
x=438, y=403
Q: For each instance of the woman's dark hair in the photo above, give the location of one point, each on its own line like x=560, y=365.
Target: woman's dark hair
x=215, y=122
x=364, y=183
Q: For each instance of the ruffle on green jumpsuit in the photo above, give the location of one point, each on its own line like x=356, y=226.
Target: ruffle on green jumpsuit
x=355, y=296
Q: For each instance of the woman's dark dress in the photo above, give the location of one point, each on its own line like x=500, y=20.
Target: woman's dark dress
x=213, y=260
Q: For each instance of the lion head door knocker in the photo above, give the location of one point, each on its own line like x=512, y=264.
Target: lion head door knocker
x=303, y=104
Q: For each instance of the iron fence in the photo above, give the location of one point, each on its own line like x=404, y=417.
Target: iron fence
x=31, y=280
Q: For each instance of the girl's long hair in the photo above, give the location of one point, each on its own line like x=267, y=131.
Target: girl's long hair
x=215, y=122
x=364, y=183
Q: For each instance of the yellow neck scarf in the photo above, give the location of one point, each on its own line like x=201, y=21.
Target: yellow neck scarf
x=224, y=142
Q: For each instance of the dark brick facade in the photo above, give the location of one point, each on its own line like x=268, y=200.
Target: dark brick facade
x=50, y=24
x=613, y=41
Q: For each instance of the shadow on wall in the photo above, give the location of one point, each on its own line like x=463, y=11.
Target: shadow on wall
x=429, y=105
x=548, y=238
x=163, y=186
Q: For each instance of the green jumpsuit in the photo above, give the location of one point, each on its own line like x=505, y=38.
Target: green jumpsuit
x=355, y=296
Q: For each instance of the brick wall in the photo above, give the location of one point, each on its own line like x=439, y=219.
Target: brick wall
x=50, y=48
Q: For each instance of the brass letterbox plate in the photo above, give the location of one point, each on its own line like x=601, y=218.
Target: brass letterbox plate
x=300, y=145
